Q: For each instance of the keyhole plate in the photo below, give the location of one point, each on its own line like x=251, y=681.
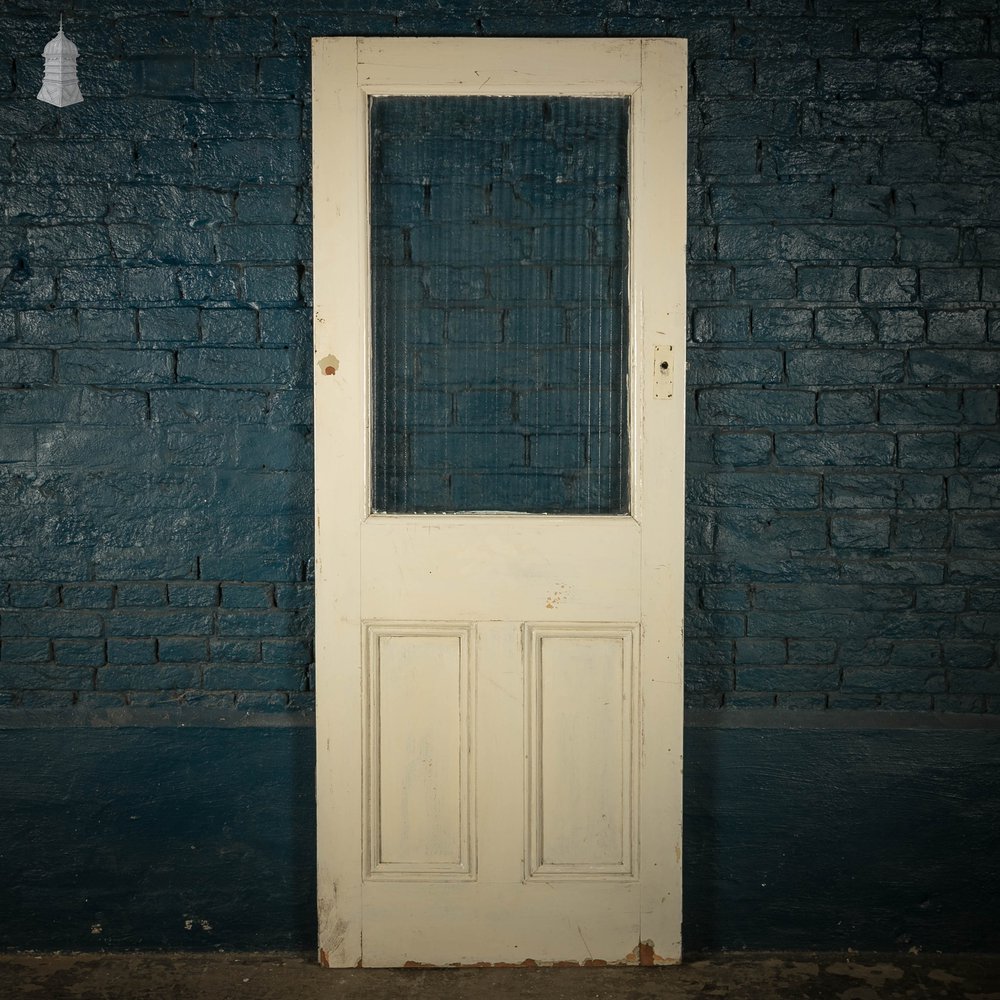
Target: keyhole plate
x=663, y=371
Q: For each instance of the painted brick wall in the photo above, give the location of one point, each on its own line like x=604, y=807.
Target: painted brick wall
x=845, y=314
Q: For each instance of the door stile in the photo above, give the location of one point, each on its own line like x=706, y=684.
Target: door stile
x=339, y=230
x=660, y=173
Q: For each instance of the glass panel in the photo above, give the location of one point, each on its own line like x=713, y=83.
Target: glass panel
x=499, y=307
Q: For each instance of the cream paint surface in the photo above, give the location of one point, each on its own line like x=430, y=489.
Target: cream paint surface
x=499, y=697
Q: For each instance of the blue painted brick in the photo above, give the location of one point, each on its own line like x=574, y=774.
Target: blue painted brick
x=87, y=596
x=847, y=406
x=285, y=651
x=845, y=326
x=107, y=325
x=743, y=449
x=953, y=366
x=115, y=366
x=79, y=652
x=27, y=677
x=182, y=650
x=827, y=284
x=131, y=651
x=25, y=650
x=234, y=650
x=236, y=366
x=871, y=532
x=141, y=595
x=933, y=450
x=734, y=366
x=813, y=367
x=156, y=623
x=168, y=324
x=254, y=678
x=193, y=595
x=147, y=677
x=781, y=325
x=24, y=366
x=722, y=324
x=834, y=448
x=754, y=407
x=241, y=595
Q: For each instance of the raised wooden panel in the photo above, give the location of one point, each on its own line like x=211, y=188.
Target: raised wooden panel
x=418, y=783
x=582, y=748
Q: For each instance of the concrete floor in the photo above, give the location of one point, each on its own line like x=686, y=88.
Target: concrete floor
x=744, y=976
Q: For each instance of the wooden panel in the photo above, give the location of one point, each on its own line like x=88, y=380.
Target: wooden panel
x=418, y=750
x=540, y=566
x=581, y=752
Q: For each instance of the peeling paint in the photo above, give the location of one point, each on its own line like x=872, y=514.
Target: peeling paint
x=329, y=364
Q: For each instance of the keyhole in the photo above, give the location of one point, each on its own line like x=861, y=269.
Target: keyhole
x=664, y=366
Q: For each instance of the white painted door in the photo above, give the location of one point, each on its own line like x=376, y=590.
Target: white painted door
x=499, y=693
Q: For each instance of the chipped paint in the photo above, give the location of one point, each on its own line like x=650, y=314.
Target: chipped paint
x=328, y=365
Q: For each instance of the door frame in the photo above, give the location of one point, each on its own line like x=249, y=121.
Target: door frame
x=346, y=72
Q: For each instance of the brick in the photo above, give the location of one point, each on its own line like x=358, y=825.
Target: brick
x=49, y=622
x=255, y=677
x=900, y=326
x=734, y=366
x=83, y=595
x=760, y=651
x=792, y=678
x=782, y=325
x=869, y=533
x=740, y=532
x=892, y=285
x=168, y=325
x=980, y=450
x=927, y=451
x=827, y=284
x=979, y=532
x=141, y=595
x=941, y=407
x=813, y=367
x=23, y=366
x=727, y=157
x=32, y=677
x=115, y=366
x=182, y=650
x=723, y=489
x=131, y=651
x=846, y=407
x=942, y=366
x=79, y=652
x=743, y=449
x=755, y=407
x=834, y=448
x=240, y=595
x=193, y=595
x=860, y=491
x=845, y=326
x=234, y=650
x=923, y=531
x=896, y=679
x=157, y=623
x=722, y=325
x=959, y=327
x=939, y=284
x=107, y=325
x=147, y=677
x=912, y=159
x=25, y=650
x=236, y=366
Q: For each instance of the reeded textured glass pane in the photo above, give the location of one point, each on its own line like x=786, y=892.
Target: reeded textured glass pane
x=499, y=306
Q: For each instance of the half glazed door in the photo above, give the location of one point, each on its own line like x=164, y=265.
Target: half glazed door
x=499, y=337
